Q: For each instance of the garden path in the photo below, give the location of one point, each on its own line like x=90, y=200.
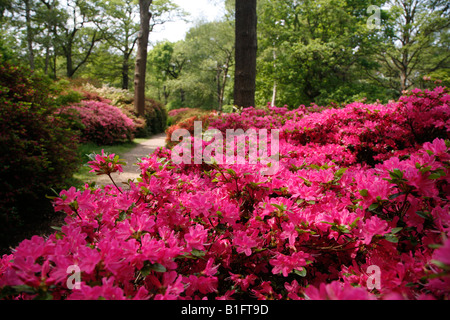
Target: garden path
x=131, y=170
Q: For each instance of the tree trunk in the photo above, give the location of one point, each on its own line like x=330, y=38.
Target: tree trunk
x=141, y=57
x=166, y=94
x=29, y=34
x=69, y=61
x=219, y=88
x=274, y=94
x=125, y=69
x=246, y=49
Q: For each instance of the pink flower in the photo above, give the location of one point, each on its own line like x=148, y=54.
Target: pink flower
x=210, y=270
x=289, y=232
x=293, y=289
x=105, y=163
x=204, y=285
x=372, y=227
x=442, y=254
x=286, y=264
x=171, y=286
x=243, y=282
x=106, y=291
x=244, y=243
x=337, y=291
x=196, y=238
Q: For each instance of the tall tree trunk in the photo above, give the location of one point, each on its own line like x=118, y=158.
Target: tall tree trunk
x=274, y=89
x=166, y=94
x=274, y=94
x=69, y=61
x=125, y=69
x=29, y=33
x=246, y=49
x=219, y=88
x=141, y=57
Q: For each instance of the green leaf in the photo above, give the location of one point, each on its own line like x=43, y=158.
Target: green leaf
x=307, y=182
x=393, y=196
x=391, y=238
x=301, y=273
x=437, y=174
x=396, y=174
x=440, y=264
x=340, y=172
x=24, y=288
x=355, y=223
x=434, y=176
x=148, y=267
x=447, y=143
x=158, y=267
x=396, y=230
x=425, y=169
x=56, y=228
x=198, y=253
x=425, y=215
x=364, y=192
x=374, y=206
x=122, y=216
x=281, y=207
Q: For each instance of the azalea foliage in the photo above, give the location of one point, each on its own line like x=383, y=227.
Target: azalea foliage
x=361, y=188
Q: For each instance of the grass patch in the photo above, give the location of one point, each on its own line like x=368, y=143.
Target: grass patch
x=83, y=175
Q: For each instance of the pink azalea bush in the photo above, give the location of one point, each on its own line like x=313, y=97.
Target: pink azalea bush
x=103, y=123
x=356, y=188
x=175, y=112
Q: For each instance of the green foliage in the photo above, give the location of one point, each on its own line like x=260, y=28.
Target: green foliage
x=315, y=51
x=415, y=42
x=37, y=151
x=195, y=72
x=155, y=116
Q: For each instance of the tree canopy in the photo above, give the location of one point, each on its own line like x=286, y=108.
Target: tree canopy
x=311, y=51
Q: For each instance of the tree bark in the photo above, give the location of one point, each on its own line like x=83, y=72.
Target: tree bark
x=141, y=57
x=29, y=34
x=125, y=69
x=246, y=50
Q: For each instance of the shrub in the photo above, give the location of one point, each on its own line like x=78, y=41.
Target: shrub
x=37, y=151
x=316, y=229
x=154, y=121
x=174, y=112
x=155, y=115
x=104, y=124
x=179, y=115
x=188, y=124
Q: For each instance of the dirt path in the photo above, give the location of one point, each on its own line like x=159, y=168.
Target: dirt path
x=131, y=171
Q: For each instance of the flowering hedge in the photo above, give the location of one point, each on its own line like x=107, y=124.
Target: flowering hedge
x=102, y=122
x=356, y=190
x=175, y=112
